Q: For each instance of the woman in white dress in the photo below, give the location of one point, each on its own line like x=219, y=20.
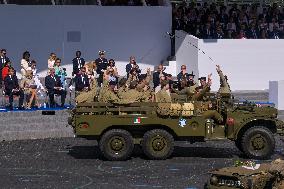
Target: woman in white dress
x=25, y=63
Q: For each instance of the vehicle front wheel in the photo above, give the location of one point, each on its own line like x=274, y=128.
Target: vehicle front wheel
x=158, y=144
x=116, y=145
x=258, y=143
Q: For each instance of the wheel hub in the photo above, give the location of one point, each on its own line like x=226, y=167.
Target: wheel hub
x=117, y=143
x=258, y=142
x=158, y=143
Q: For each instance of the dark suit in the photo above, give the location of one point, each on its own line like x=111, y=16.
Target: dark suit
x=252, y=34
x=156, y=78
x=81, y=81
x=3, y=60
x=128, y=68
x=50, y=83
x=11, y=82
x=78, y=63
x=101, y=65
x=274, y=35
x=207, y=34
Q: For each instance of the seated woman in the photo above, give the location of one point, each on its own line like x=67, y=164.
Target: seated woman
x=5, y=70
x=111, y=75
x=30, y=88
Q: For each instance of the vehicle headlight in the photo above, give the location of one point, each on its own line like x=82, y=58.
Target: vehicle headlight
x=214, y=180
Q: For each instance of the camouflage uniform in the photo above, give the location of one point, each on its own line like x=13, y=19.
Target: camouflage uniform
x=163, y=96
x=132, y=95
x=224, y=85
x=88, y=96
x=107, y=95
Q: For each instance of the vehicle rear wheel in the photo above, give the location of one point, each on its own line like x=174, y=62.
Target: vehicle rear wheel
x=158, y=144
x=258, y=143
x=116, y=145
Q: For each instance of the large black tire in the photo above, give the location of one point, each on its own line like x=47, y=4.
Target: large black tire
x=116, y=145
x=258, y=143
x=158, y=144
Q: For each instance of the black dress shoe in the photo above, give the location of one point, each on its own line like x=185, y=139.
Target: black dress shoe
x=9, y=108
x=21, y=108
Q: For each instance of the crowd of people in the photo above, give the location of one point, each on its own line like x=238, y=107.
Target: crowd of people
x=96, y=80
x=210, y=21
x=84, y=2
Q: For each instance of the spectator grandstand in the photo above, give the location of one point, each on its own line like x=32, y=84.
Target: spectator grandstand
x=247, y=19
x=86, y=2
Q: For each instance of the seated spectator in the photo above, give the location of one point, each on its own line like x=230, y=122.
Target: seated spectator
x=36, y=76
x=242, y=35
x=253, y=32
x=274, y=34
x=132, y=66
x=82, y=81
x=12, y=88
x=208, y=32
x=54, y=86
x=219, y=34
x=25, y=63
x=5, y=70
x=111, y=76
x=231, y=26
x=273, y=24
x=30, y=88
x=263, y=34
x=157, y=74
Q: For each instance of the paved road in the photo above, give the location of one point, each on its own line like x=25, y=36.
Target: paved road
x=77, y=163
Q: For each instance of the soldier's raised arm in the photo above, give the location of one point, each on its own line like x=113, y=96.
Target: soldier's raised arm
x=224, y=85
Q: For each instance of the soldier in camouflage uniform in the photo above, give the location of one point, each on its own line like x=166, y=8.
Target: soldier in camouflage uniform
x=88, y=96
x=133, y=95
x=163, y=95
x=107, y=94
x=224, y=85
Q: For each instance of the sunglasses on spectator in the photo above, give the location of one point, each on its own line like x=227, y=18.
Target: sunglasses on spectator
x=58, y=62
x=183, y=68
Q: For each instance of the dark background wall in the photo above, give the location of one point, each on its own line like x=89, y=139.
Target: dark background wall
x=121, y=31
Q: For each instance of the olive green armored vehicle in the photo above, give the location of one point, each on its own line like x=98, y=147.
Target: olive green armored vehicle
x=258, y=176
x=156, y=126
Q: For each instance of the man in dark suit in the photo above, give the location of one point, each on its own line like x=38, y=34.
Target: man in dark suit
x=54, y=86
x=78, y=63
x=157, y=74
x=275, y=34
x=3, y=60
x=252, y=32
x=132, y=65
x=102, y=64
x=207, y=32
x=82, y=81
x=12, y=88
